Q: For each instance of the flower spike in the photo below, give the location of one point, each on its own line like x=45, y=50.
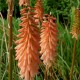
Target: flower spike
x=39, y=11
x=27, y=46
x=76, y=25
x=48, y=41
x=24, y=2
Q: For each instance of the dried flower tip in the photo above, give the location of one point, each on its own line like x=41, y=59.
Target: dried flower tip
x=76, y=25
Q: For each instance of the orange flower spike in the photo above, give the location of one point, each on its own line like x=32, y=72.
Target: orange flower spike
x=27, y=47
x=24, y=2
x=48, y=41
x=39, y=11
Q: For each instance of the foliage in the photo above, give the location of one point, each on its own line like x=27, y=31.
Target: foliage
x=3, y=5
x=56, y=7
x=63, y=10
x=65, y=48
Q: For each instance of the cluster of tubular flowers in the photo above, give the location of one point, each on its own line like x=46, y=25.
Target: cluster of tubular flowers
x=24, y=2
x=38, y=11
x=29, y=43
x=48, y=41
x=76, y=25
x=27, y=46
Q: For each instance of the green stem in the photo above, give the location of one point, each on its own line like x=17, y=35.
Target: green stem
x=73, y=59
x=10, y=13
x=78, y=4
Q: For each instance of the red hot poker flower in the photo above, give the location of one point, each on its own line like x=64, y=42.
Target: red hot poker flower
x=48, y=41
x=28, y=46
x=39, y=11
x=75, y=31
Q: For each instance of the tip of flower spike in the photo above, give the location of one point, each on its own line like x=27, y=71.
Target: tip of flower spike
x=39, y=11
x=47, y=17
x=24, y=2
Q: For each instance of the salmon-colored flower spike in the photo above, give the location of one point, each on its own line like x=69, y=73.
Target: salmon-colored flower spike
x=48, y=41
x=28, y=46
x=76, y=25
x=39, y=11
x=24, y=2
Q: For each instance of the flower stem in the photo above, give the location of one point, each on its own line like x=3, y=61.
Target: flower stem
x=45, y=74
x=73, y=59
x=10, y=13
